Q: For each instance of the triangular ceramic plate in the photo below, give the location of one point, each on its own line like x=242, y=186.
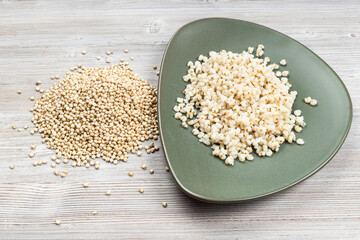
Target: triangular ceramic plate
x=207, y=178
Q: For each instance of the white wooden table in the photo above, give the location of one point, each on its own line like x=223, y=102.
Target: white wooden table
x=43, y=38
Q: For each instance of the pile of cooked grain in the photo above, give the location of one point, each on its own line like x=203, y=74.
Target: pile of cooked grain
x=238, y=103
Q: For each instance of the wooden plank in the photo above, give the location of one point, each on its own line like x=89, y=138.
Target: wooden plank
x=43, y=38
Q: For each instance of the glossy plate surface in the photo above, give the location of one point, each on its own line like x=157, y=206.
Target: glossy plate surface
x=207, y=178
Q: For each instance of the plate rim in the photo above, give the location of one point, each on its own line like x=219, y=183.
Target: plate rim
x=215, y=200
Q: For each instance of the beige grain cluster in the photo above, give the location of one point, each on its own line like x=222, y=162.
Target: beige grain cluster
x=98, y=112
x=237, y=104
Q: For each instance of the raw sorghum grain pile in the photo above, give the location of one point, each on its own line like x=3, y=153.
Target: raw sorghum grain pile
x=97, y=112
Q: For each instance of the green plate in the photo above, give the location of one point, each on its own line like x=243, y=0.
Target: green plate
x=207, y=178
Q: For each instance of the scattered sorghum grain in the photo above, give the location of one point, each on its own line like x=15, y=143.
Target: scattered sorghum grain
x=307, y=99
x=313, y=102
x=283, y=62
x=300, y=141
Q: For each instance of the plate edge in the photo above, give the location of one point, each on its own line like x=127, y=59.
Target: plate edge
x=211, y=200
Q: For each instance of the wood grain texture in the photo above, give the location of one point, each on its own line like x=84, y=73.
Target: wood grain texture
x=43, y=38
